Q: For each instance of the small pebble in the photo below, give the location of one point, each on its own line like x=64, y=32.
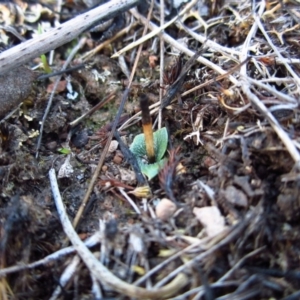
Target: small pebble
x=51, y=145
x=15, y=87
x=117, y=159
x=165, y=209
x=48, y=212
x=236, y=197
x=83, y=236
x=211, y=219
x=113, y=146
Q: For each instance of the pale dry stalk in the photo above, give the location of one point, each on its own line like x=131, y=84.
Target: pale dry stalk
x=60, y=35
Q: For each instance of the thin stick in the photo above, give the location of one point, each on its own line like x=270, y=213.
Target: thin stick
x=89, y=242
x=193, y=247
x=97, y=269
x=273, y=122
x=66, y=276
x=278, y=80
x=251, y=34
x=198, y=289
x=273, y=91
x=240, y=263
x=71, y=56
x=233, y=233
x=131, y=202
x=162, y=63
x=109, y=139
x=211, y=81
x=100, y=163
x=228, y=52
x=92, y=110
x=97, y=49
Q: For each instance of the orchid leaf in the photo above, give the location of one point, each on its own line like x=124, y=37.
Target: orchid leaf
x=138, y=148
x=151, y=170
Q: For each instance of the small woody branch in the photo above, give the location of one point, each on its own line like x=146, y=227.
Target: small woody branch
x=61, y=35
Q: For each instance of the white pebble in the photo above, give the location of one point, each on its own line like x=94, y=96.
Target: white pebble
x=113, y=146
x=165, y=209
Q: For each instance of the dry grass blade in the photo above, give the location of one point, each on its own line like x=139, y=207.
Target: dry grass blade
x=276, y=93
x=226, y=51
x=100, y=163
x=66, y=276
x=162, y=61
x=92, y=110
x=175, y=87
x=97, y=49
x=220, y=240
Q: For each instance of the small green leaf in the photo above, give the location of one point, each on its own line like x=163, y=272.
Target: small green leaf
x=151, y=170
x=45, y=64
x=64, y=150
x=43, y=56
x=160, y=143
x=40, y=29
x=138, y=148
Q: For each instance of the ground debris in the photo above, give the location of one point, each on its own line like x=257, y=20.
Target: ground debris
x=220, y=221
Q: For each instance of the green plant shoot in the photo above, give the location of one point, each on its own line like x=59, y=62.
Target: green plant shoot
x=138, y=148
x=46, y=66
x=64, y=151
